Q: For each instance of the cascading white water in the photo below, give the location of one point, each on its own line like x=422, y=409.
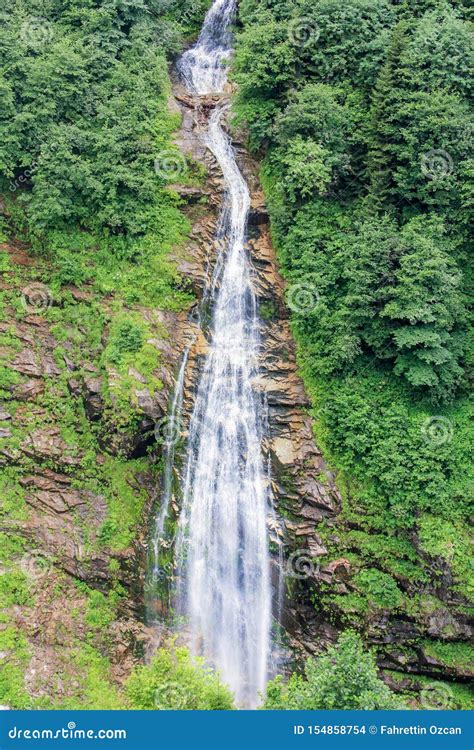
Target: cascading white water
x=203, y=68
x=224, y=586
x=170, y=429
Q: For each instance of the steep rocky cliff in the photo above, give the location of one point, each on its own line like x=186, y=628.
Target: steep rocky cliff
x=79, y=435
x=422, y=635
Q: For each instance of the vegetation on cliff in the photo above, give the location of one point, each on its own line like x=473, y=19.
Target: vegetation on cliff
x=88, y=223
x=360, y=112
x=344, y=678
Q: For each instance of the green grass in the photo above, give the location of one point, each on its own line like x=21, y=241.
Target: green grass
x=126, y=501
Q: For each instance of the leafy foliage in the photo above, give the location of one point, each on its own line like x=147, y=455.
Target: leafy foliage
x=343, y=678
x=173, y=680
x=85, y=118
x=360, y=113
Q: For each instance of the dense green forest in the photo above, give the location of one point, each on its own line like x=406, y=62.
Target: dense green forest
x=86, y=129
x=87, y=225
x=361, y=113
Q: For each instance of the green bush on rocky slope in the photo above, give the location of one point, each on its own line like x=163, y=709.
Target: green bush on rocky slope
x=344, y=678
x=88, y=224
x=360, y=112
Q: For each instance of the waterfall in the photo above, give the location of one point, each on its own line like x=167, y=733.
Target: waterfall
x=203, y=67
x=222, y=547
x=171, y=430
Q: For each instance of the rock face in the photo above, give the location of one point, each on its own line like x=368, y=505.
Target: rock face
x=304, y=488
x=66, y=460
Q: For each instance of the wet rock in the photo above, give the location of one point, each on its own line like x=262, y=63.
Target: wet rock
x=93, y=402
x=315, y=546
x=188, y=193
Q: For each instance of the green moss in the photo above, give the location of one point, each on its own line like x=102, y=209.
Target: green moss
x=394, y=554
x=12, y=669
x=8, y=379
x=437, y=694
x=450, y=541
x=11, y=547
x=423, y=604
x=132, y=363
x=96, y=692
x=455, y=655
x=463, y=696
x=350, y=604
x=14, y=589
x=101, y=610
x=126, y=501
x=380, y=589
x=268, y=310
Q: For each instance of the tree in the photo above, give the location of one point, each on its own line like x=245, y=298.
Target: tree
x=420, y=126
x=307, y=168
x=344, y=678
x=439, y=55
x=426, y=310
x=173, y=680
x=340, y=36
x=384, y=130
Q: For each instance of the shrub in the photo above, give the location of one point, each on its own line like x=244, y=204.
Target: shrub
x=343, y=678
x=173, y=680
